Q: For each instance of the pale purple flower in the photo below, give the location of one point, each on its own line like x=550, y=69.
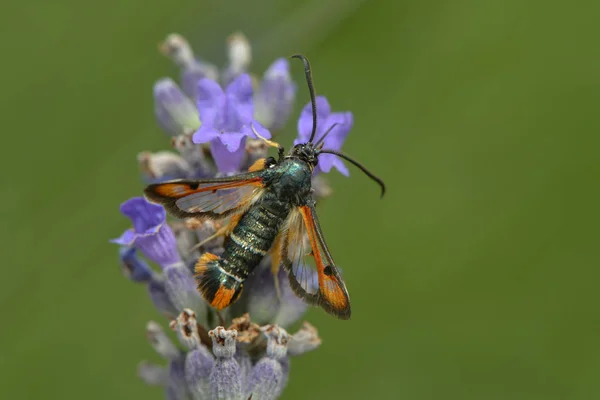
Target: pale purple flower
x=177, y=48
x=174, y=112
x=137, y=270
x=225, y=378
x=198, y=360
x=162, y=166
x=267, y=378
x=334, y=140
x=160, y=298
x=239, y=55
x=229, y=372
x=150, y=234
x=265, y=304
x=152, y=374
x=274, y=98
x=133, y=266
x=243, y=360
x=181, y=289
x=227, y=119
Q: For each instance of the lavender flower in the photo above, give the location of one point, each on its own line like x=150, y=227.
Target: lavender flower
x=339, y=123
x=235, y=363
x=239, y=54
x=150, y=233
x=275, y=97
x=174, y=112
x=137, y=270
x=192, y=69
x=227, y=119
x=250, y=357
x=162, y=165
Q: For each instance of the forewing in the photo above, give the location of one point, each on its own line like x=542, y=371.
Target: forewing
x=209, y=198
x=312, y=272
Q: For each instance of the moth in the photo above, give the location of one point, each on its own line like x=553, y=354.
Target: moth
x=269, y=209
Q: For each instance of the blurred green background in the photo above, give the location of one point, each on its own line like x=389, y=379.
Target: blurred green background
x=474, y=278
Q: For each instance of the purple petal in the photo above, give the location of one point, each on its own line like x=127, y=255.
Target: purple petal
x=210, y=101
x=245, y=363
x=232, y=140
x=305, y=122
x=227, y=162
x=191, y=75
x=239, y=97
x=328, y=161
x=146, y=216
x=280, y=67
x=159, y=246
x=126, y=239
x=291, y=306
x=340, y=125
x=340, y=166
x=205, y=134
x=260, y=295
x=160, y=341
x=325, y=163
x=177, y=379
x=198, y=365
x=133, y=266
x=160, y=299
x=275, y=98
x=181, y=288
x=267, y=379
x=153, y=374
x=225, y=378
x=174, y=112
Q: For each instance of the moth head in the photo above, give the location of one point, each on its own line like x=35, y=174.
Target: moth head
x=307, y=153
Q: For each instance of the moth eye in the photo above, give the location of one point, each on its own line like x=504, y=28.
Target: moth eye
x=270, y=162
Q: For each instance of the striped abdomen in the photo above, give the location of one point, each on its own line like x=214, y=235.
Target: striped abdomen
x=220, y=279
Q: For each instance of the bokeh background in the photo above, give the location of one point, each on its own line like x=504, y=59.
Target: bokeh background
x=474, y=278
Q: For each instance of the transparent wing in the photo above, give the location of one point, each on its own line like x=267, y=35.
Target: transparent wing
x=210, y=198
x=312, y=272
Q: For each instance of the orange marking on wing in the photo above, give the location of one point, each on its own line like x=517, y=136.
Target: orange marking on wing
x=258, y=165
x=310, y=228
x=173, y=190
x=329, y=286
x=333, y=292
x=222, y=298
x=178, y=190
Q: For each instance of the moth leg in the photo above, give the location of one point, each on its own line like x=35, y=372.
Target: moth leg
x=275, y=264
x=225, y=230
x=270, y=143
x=220, y=232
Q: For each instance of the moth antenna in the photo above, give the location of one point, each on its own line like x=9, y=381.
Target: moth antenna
x=322, y=139
x=311, y=90
x=358, y=165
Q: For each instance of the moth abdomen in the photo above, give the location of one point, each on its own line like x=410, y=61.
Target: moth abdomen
x=216, y=284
